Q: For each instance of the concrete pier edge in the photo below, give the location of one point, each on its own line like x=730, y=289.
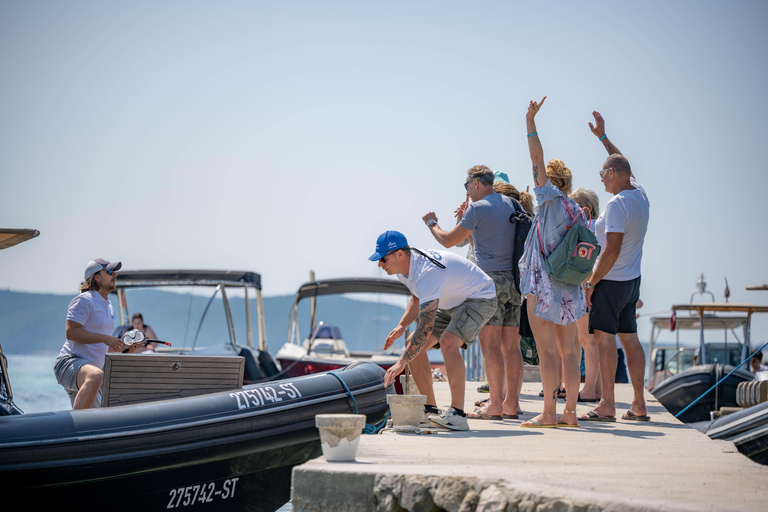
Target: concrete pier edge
x=498, y=466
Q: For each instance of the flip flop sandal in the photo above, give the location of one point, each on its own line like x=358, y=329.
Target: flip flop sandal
x=482, y=402
x=567, y=425
x=536, y=424
x=587, y=400
x=510, y=416
x=593, y=416
x=634, y=417
x=479, y=415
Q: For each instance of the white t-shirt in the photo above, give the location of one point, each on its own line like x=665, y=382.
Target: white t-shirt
x=95, y=314
x=458, y=281
x=627, y=212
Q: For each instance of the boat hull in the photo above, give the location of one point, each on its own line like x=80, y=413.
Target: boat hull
x=307, y=365
x=747, y=429
x=224, y=451
x=680, y=390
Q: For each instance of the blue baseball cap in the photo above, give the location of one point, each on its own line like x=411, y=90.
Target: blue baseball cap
x=388, y=242
x=500, y=176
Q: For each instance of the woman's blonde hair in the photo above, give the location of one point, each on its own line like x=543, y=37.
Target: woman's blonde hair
x=506, y=189
x=526, y=199
x=559, y=175
x=589, y=199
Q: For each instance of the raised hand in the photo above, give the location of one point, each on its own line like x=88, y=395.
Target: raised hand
x=534, y=107
x=599, y=127
x=459, y=212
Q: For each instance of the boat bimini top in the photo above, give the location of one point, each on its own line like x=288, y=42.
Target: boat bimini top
x=314, y=289
x=219, y=279
x=702, y=317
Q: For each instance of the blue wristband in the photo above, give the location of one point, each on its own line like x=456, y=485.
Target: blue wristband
x=604, y=136
x=532, y=134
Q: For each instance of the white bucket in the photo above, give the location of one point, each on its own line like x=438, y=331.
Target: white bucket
x=407, y=410
x=340, y=435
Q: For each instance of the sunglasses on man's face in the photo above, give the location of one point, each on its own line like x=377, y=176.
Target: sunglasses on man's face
x=384, y=258
x=108, y=271
x=466, y=185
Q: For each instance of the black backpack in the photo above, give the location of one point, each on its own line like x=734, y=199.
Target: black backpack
x=524, y=221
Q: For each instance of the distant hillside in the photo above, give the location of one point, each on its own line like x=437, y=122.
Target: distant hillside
x=32, y=323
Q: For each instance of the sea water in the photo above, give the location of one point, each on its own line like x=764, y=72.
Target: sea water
x=34, y=385
x=35, y=388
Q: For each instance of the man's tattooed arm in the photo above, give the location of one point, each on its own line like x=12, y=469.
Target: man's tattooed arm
x=610, y=147
x=420, y=337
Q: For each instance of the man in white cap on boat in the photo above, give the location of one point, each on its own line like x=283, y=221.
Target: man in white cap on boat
x=613, y=287
x=452, y=299
x=90, y=322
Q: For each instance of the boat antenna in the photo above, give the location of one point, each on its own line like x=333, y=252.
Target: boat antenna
x=727, y=291
x=701, y=289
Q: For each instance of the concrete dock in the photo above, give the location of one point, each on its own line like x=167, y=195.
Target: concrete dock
x=498, y=466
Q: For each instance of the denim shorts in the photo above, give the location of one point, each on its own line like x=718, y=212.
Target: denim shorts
x=465, y=320
x=66, y=368
x=508, y=308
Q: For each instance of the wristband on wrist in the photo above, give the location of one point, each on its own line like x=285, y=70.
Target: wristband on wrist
x=532, y=134
x=604, y=136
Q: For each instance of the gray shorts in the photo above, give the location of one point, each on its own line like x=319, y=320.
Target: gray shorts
x=465, y=320
x=66, y=368
x=508, y=310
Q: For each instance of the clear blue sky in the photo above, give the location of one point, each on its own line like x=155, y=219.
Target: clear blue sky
x=281, y=137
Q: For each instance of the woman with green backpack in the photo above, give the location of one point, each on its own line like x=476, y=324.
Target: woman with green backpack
x=555, y=298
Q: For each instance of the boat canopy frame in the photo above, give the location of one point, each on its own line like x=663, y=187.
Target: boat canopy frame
x=219, y=279
x=313, y=289
x=704, y=317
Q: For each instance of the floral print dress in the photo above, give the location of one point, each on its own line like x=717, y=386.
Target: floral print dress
x=556, y=302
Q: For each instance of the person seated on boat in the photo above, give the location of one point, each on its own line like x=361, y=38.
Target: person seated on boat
x=486, y=220
x=452, y=299
x=90, y=321
x=149, y=333
x=756, y=363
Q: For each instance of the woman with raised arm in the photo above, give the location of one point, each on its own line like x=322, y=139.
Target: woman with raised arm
x=553, y=307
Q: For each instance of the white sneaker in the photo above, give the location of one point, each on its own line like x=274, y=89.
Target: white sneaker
x=425, y=417
x=449, y=419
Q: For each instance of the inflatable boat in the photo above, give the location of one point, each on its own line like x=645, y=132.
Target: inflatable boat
x=230, y=450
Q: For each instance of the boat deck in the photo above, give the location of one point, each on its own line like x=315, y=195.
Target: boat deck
x=627, y=465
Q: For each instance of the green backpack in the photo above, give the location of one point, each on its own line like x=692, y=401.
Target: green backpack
x=576, y=254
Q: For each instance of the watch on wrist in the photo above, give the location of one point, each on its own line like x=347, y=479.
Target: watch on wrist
x=431, y=222
x=588, y=286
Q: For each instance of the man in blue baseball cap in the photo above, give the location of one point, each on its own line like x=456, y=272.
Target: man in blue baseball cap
x=451, y=298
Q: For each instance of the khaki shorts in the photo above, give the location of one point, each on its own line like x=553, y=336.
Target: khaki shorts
x=508, y=310
x=465, y=320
